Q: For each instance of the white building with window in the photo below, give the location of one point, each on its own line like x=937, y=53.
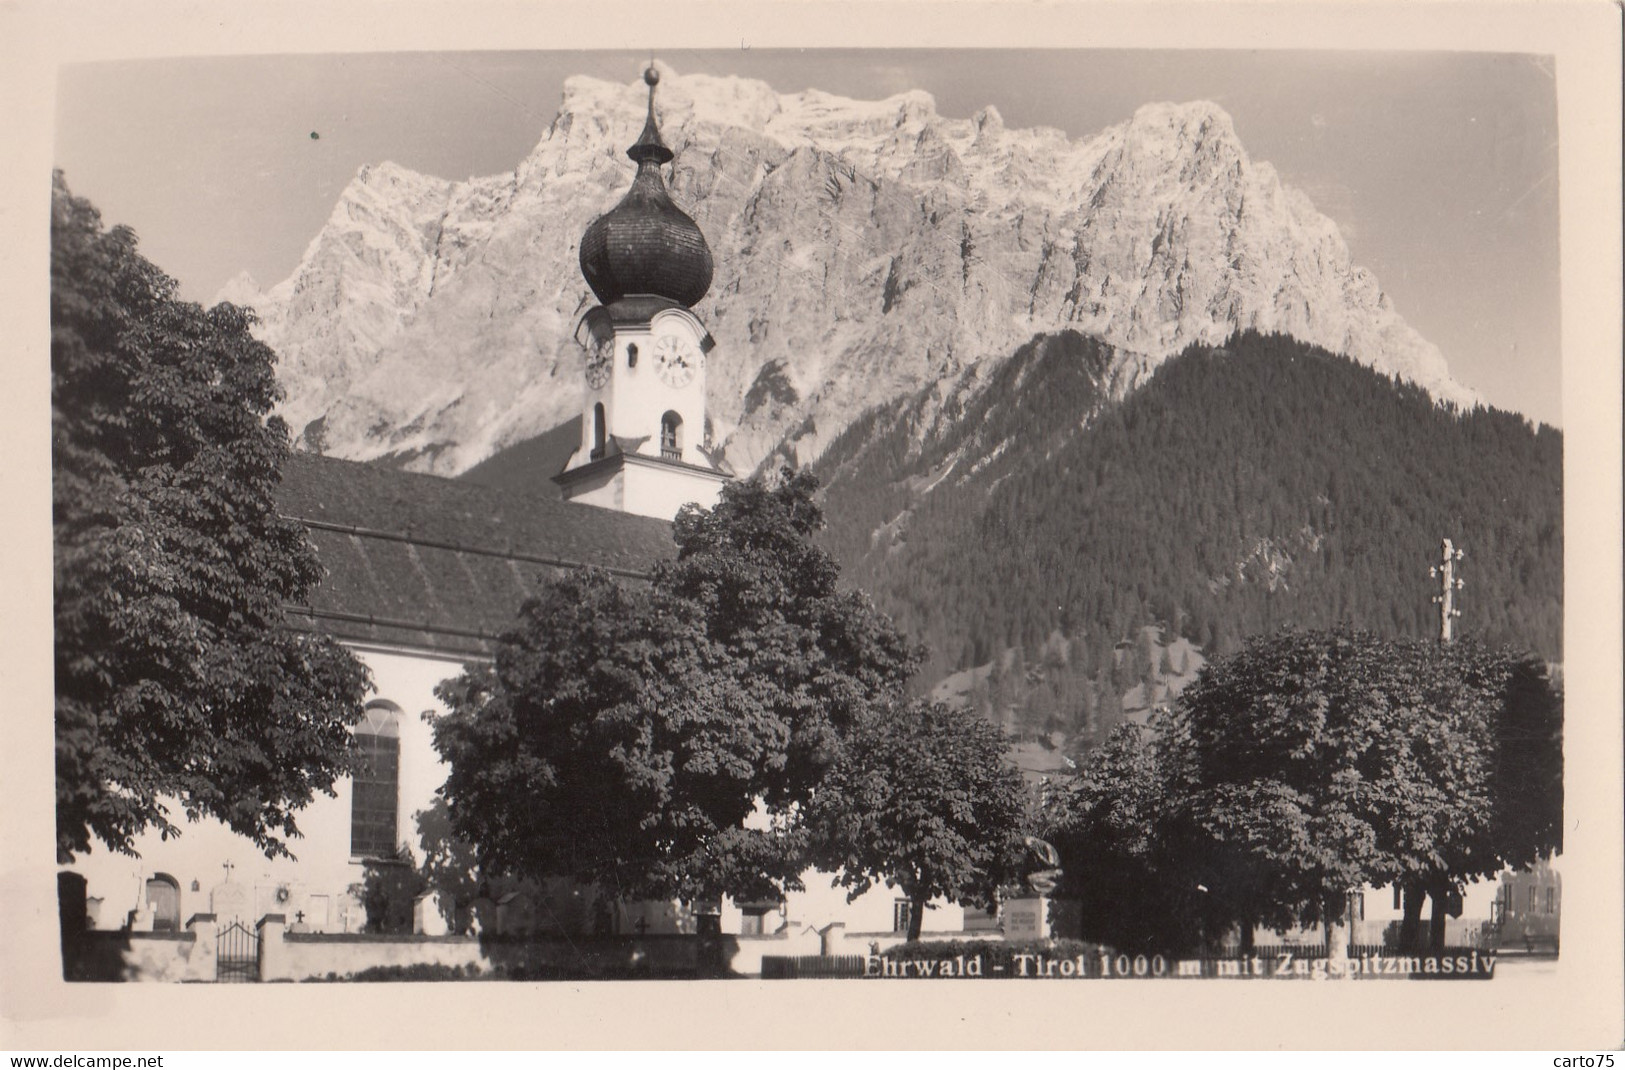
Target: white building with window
x=424, y=573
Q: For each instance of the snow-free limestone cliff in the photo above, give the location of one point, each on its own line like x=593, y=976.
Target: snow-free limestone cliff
x=863, y=249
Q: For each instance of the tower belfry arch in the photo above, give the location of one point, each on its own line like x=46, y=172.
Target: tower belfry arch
x=644, y=350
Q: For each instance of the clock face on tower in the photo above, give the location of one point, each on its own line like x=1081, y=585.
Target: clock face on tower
x=598, y=361
x=676, y=359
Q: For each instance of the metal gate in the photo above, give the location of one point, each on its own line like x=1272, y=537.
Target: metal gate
x=237, y=955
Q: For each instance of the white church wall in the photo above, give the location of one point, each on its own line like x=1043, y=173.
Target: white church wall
x=319, y=880
x=208, y=856
x=646, y=487
x=409, y=681
x=819, y=905
x=603, y=489
x=663, y=491
x=639, y=397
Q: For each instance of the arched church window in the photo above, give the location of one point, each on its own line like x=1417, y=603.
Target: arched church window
x=375, y=787
x=164, y=900
x=671, y=442
x=598, y=433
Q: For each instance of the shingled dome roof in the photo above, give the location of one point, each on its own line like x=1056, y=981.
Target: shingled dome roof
x=646, y=244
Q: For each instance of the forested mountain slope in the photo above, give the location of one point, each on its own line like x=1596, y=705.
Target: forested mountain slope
x=1240, y=488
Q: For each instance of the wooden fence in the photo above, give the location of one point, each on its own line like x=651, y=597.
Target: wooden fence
x=789, y=967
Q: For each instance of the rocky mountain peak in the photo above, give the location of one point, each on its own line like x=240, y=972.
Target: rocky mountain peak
x=241, y=289
x=989, y=124
x=862, y=250
x=1189, y=121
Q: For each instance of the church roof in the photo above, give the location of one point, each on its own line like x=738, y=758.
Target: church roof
x=442, y=565
x=646, y=245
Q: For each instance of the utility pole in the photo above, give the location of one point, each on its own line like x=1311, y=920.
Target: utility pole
x=1445, y=573
x=1449, y=583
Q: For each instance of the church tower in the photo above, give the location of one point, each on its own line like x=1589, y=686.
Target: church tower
x=643, y=446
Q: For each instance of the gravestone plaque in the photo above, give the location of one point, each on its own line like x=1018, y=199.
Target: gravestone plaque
x=427, y=920
x=352, y=913
x=318, y=913
x=230, y=902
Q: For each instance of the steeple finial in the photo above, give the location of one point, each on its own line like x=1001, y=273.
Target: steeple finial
x=646, y=245
x=649, y=146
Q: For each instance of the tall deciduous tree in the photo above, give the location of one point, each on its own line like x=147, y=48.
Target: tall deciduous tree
x=1310, y=764
x=626, y=734
x=1332, y=760
x=1497, y=738
x=1298, y=767
x=176, y=683
x=1123, y=834
x=816, y=657
x=925, y=800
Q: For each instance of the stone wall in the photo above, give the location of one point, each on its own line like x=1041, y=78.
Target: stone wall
x=336, y=956
x=746, y=960
x=300, y=956
x=316, y=956
x=136, y=956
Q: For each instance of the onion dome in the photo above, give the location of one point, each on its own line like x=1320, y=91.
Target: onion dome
x=646, y=244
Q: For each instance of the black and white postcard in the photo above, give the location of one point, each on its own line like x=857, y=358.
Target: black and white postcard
x=922, y=525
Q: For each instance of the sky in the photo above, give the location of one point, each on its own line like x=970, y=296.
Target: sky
x=1440, y=168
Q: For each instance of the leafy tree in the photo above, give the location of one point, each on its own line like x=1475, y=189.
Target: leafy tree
x=1122, y=833
x=626, y=733
x=614, y=742
x=1527, y=777
x=925, y=800
x=389, y=890
x=1329, y=760
x=1298, y=769
x=177, y=683
x=1496, y=738
x=815, y=656
x=1310, y=764
x=449, y=866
